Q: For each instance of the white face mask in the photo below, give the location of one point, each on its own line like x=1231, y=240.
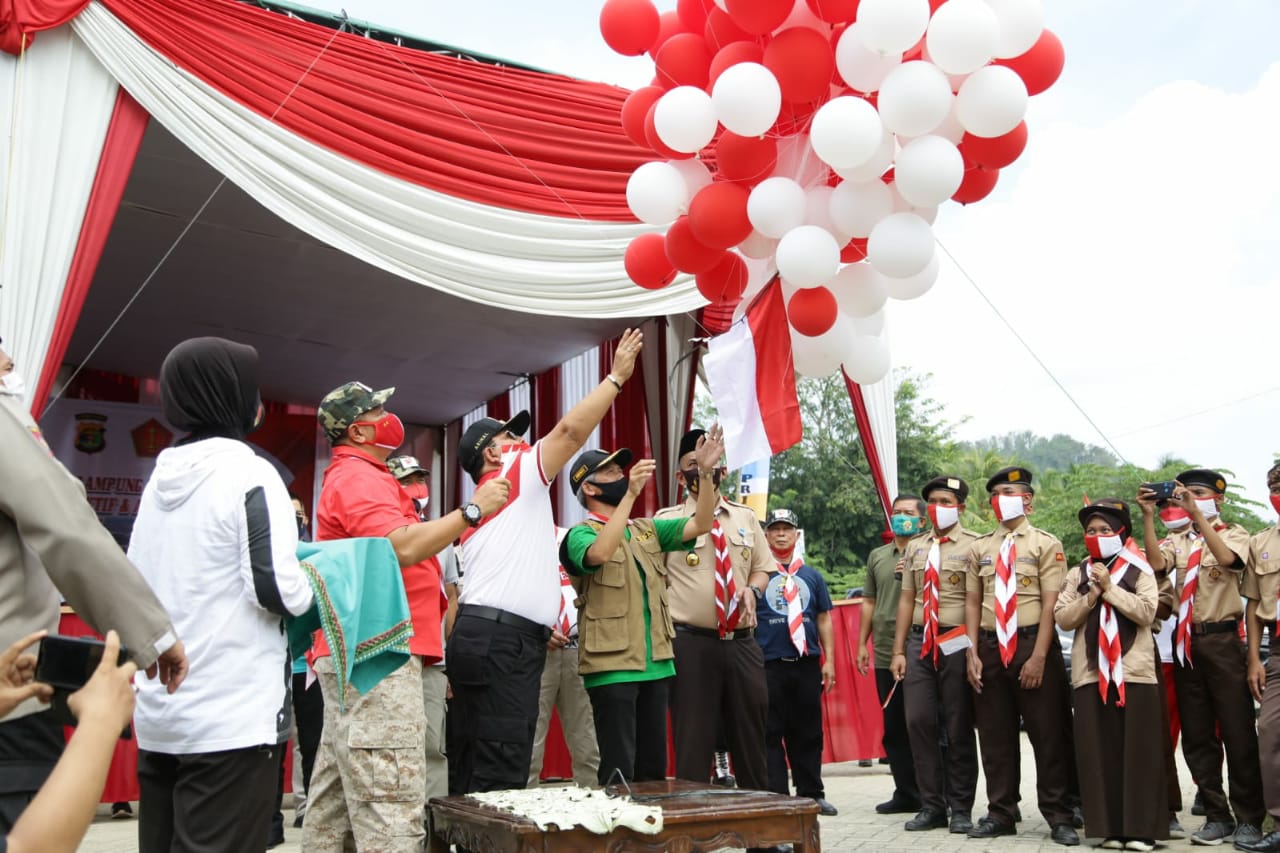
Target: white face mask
x=1109, y=546
x=943, y=516
x=13, y=384
x=1009, y=507
x=1208, y=507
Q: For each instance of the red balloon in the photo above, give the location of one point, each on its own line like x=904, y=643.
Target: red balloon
x=634, y=110
x=812, y=311
x=669, y=24
x=629, y=26
x=976, y=185
x=684, y=61
x=854, y=251
x=718, y=215
x=995, y=152
x=721, y=30
x=758, y=17
x=693, y=13
x=749, y=159
x=646, y=262
x=655, y=142
x=834, y=11
x=684, y=250
x=725, y=281
x=732, y=54
x=1040, y=66
x=802, y=61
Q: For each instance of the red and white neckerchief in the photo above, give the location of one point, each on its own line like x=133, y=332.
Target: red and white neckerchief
x=1006, y=603
x=795, y=614
x=929, y=643
x=1110, y=655
x=567, y=597
x=726, y=590
x=1187, y=602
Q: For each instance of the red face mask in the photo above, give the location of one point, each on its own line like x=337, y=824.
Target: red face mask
x=417, y=491
x=513, y=447
x=1174, y=517
x=1104, y=547
x=1275, y=502
x=388, y=431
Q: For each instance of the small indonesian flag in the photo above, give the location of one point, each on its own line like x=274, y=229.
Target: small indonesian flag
x=955, y=640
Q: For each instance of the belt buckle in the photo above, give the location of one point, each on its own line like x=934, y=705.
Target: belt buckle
x=729, y=635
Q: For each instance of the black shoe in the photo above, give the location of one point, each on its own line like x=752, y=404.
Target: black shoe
x=864, y=762
x=960, y=823
x=1017, y=814
x=1267, y=844
x=1065, y=835
x=826, y=809
x=1247, y=833
x=926, y=819
x=1213, y=833
x=1077, y=817
x=297, y=822
x=276, y=840
x=1197, y=805
x=121, y=811
x=897, y=806
x=988, y=828
x=726, y=781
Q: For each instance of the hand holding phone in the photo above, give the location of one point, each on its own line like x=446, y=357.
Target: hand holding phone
x=108, y=696
x=17, y=675
x=1160, y=491
x=68, y=664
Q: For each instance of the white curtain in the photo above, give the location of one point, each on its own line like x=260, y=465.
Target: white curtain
x=578, y=376
x=56, y=102
x=509, y=259
x=884, y=429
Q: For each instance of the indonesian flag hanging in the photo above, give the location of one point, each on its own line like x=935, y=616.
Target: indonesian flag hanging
x=753, y=382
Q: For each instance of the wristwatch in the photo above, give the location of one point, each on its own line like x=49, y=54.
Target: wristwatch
x=471, y=513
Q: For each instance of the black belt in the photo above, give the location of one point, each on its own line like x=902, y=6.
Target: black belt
x=740, y=634
x=504, y=617
x=794, y=660
x=1028, y=631
x=918, y=630
x=1198, y=628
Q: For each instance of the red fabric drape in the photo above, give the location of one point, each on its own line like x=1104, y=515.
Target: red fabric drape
x=852, y=722
x=124, y=136
x=868, y=442
x=499, y=408
x=20, y=18
x=500, y=136
x=626, y=425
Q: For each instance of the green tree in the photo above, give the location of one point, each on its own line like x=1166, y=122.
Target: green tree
x=1057, y=452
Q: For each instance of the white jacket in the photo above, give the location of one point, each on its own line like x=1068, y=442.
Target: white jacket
x=216, y=538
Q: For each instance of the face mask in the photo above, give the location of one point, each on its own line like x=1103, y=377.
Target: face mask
x=691, y=478
x=388, y=431
x=611, y=493
x=514, y=447
x=1208, y=507
x=1174, y=517
x=904, y=525
x=1008, y=507
x=1103, y=547
x=1275, y=502
x=943, y=516
x=421, y=504
x=417, y=491
x=13, y=384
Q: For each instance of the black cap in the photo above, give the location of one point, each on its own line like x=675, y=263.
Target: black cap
x=1114, y=510
x=782, y=516
x=591, y=461
x=1013, y=474
x=478, y=436
x=952, y=484
x=689, y=443
x=1203, y=477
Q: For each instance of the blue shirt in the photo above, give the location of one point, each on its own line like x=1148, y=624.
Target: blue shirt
x=771, y=614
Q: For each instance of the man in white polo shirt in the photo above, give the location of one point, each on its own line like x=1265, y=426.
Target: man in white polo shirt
x=511, y=592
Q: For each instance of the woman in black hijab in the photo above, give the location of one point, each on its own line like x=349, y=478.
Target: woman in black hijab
x=209, y=387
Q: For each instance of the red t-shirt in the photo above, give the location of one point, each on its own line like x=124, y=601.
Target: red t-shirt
x=360, y=497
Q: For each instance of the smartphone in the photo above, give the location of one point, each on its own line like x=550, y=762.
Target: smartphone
x=67, y=664
x=1163, y=491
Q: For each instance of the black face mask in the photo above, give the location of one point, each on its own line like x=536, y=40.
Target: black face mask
x=612, y=493
x=691, y=478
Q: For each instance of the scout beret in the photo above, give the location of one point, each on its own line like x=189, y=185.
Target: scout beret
x=952, y=484
x=1203, y=477
x=689, y=442
x=1013, y=474
x=1114, y=510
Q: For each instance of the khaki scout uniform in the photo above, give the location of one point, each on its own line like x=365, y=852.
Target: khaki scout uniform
x=1040, y=567
x=1262, y=584
x=1213, y=691
x=940, y=694
x=717, y=680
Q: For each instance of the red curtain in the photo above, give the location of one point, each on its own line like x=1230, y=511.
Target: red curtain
x=625, y=425
x=852, y=722
x=19, y=18
x=124, y=136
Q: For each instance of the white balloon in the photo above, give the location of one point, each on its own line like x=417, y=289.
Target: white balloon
x=845, y=132
x=657, y=193
x=696, y=174
x=775, y=206
x=992, y=101
x=817, y=211
x=746, y=98
x=857, y=207
x=861, y=67
x=1020, y=23
x=928, y=171
x=950, y=129
x=876, y=165
x=916, y=285
x=821, y=356
x=797, y=160
x=808, y=256
x=962, y=36
x=860, y=290
x=892, y=26
x=758, y=246
x=901, y=205
x=872, y=324
x=914, y=98
x=684, y=119
x=901, y=245
x=867, y=359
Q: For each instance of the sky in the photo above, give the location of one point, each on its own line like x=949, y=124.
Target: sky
x=1133, y=246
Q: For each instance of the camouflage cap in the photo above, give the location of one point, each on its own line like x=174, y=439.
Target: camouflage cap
x=782, y=516
x=402, y=466
x=344, y=405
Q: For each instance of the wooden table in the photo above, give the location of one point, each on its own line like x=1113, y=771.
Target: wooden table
x=695, y=818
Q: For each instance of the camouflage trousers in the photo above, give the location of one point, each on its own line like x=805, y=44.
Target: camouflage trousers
x=368, y=789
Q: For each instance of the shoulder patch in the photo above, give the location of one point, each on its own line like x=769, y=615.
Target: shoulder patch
x=1060, y=557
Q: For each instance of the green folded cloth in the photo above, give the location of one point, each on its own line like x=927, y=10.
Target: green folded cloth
x=361, y=607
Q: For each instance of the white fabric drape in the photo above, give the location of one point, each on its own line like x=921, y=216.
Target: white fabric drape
x=508, y=259
x=882, y=413
x=578, y=376
x=56, y=103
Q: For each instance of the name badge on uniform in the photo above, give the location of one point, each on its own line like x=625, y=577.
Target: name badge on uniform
x=691, y=558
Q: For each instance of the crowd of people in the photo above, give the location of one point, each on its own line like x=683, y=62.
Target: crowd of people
x=491, y=616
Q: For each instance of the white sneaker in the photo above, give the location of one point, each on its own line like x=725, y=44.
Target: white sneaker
x=1139, y=844
x=1113, y=844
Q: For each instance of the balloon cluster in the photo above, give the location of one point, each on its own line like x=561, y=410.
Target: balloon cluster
x=816, y=139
